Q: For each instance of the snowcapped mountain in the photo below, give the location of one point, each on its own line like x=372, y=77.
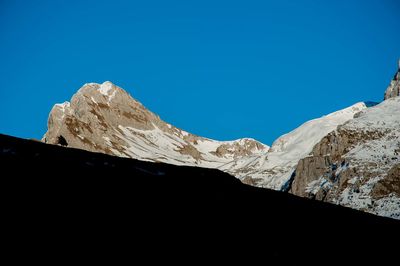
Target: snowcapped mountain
x=349, y=157
x=274, y=168
x=358, y=164
x=105, y=118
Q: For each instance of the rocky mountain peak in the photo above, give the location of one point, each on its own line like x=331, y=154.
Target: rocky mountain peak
x=393, y=89
x=105, y=118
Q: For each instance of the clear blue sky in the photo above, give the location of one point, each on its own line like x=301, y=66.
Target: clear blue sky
x=220, y=69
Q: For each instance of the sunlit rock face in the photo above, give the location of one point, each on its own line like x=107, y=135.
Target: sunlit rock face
x=105, y=118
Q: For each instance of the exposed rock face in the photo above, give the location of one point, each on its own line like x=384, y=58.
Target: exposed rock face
x=358, y=164
x=242, y=147
x=394, y=88
x=105, y=118
x=390, y=184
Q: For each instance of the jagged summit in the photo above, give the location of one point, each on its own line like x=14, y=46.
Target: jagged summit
x=106, y=89
x=105, y=118
x=393, y=89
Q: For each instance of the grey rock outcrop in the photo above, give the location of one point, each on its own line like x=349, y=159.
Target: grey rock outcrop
x=394, y=88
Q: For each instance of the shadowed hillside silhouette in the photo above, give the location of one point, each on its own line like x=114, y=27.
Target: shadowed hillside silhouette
x=57, y=197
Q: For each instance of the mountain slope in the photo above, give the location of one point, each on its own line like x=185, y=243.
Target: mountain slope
x=274, y=168
x=105, y=118
x=58, y=200
x=357, y=165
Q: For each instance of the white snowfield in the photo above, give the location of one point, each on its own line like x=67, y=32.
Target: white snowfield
x=157, y=145
x=382, y=153
x=385, y=115
x=106, y=88
x=274, y=168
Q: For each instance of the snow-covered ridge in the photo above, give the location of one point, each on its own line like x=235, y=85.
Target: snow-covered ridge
x=358, y=165
x=303, y=138
x=274, y=168
x=105, y=88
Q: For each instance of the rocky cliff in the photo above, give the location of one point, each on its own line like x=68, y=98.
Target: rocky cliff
x=394, y=88
x=274, y=168
x=358, y=164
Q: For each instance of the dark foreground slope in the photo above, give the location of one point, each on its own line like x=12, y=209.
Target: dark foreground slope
x=61, y=201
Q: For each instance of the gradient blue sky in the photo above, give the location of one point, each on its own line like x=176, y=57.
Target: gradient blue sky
x=220, y=69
